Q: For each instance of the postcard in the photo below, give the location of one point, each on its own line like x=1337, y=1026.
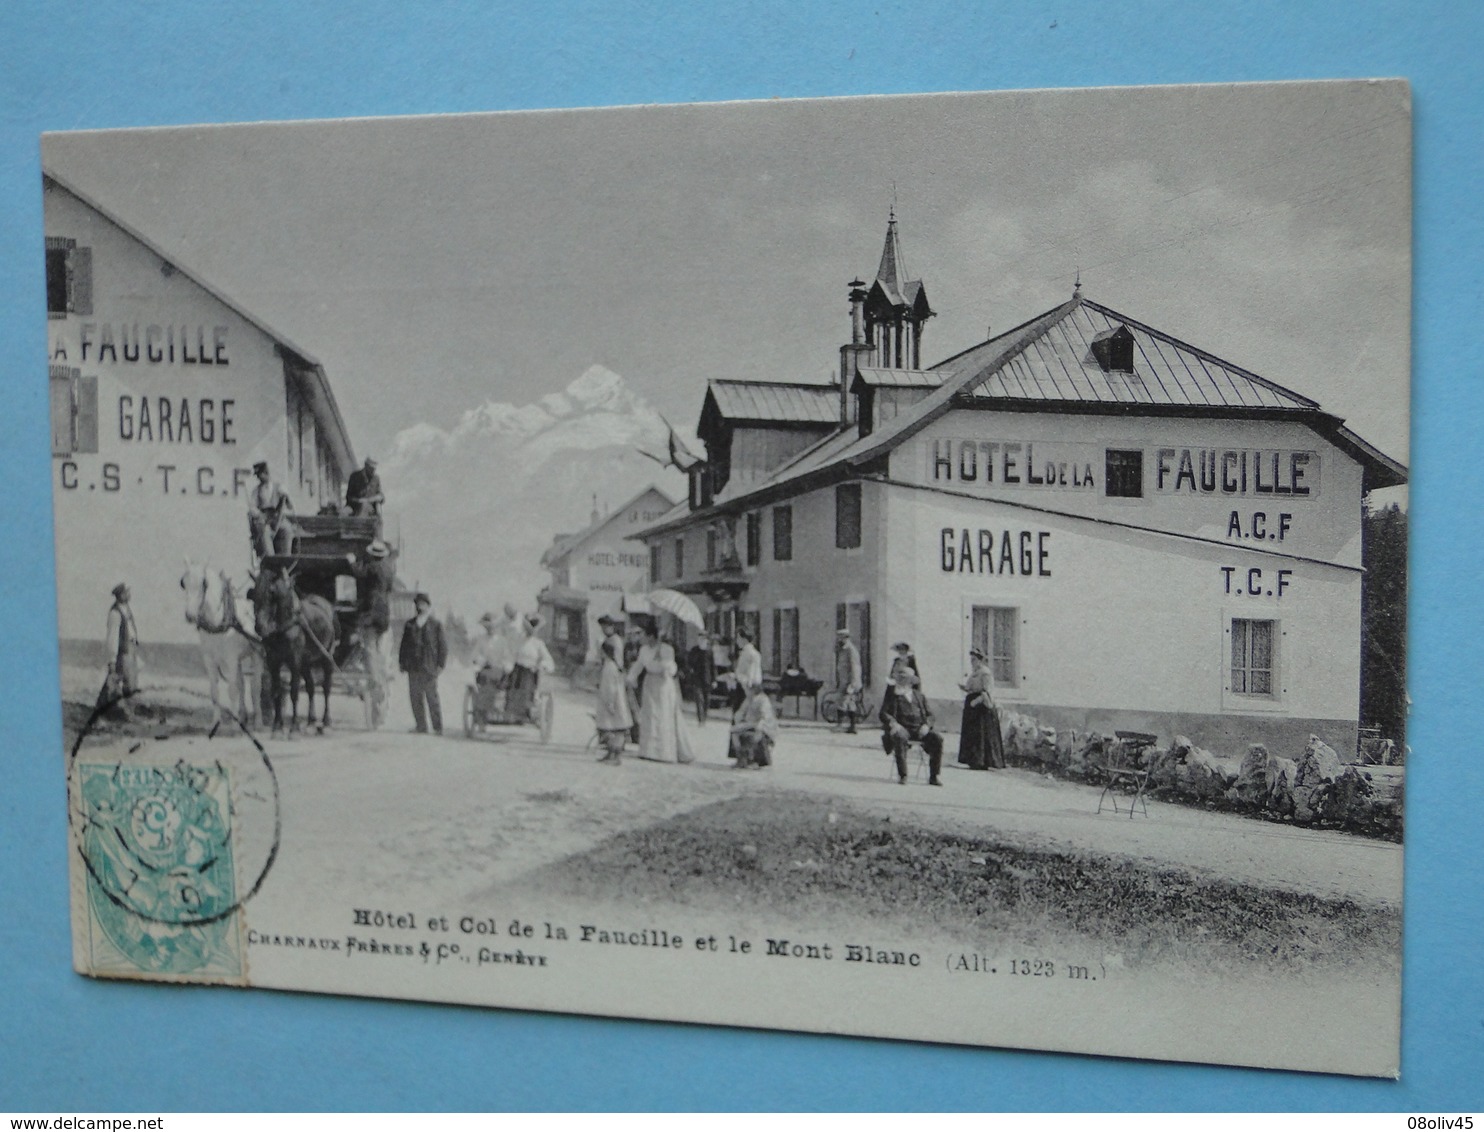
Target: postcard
x=924, y=567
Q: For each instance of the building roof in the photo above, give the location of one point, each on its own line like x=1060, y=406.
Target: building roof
x=309, y=368
x=1046, y=365
x=563, y=545
x=1058, y=364
x=878, y=377
x=774, y=402
x=891, y=275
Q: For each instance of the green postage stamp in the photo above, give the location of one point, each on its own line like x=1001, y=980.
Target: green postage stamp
x=161, y=893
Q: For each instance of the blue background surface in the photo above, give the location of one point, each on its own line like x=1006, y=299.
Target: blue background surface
x=69, y=1043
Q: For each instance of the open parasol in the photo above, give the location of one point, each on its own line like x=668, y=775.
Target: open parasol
x=677, y=605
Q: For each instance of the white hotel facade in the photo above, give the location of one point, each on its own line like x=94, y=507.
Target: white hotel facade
x=1140, y=534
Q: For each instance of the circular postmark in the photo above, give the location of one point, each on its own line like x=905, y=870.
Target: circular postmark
x=175, y=834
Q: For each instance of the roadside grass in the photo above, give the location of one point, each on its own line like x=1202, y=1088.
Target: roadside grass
x=816, y=860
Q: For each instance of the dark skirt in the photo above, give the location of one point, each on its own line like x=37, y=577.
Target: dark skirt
x=520, y=695
x=980, y=744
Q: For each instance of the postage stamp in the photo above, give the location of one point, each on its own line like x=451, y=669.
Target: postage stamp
x=162, y=891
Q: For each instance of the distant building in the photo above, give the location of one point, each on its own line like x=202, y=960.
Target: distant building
x=592, y=570
x=164, y=393
x=1137, y=533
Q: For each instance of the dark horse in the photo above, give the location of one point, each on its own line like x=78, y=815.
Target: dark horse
x=299, y=634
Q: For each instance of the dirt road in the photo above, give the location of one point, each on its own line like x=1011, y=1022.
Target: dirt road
x=457, y=815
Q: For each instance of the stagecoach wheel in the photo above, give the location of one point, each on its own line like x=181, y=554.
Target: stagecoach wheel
x=468, y=713
x=829, y=709
x=546, y=715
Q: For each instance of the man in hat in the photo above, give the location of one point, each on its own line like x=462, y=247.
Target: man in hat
x=121, y=647
x=376, y=577
x=906, y=719
x=269, y=514
x=491, y=662
x=532, y=660
x=700, y=669
x=423, y=654
x=848, y=678
x=363, y=490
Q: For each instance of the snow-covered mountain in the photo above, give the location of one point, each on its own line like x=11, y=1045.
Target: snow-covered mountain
x=477, y=504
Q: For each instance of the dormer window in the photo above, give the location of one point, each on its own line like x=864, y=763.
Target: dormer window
x=1114, y=350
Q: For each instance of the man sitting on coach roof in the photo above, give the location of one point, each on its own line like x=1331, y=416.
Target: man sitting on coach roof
x=906, y=719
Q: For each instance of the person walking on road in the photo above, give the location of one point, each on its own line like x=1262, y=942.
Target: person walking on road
x=613, y=718
x=848, y=679
x=662, y=737
x=121, y=647
x=422, y=656
x=907, y=718
x=980, y=744
x=700, y=667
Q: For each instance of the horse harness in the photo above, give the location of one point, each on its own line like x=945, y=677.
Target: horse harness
x=229, y=620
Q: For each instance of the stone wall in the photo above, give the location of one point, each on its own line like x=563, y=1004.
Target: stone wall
x=1314, y=787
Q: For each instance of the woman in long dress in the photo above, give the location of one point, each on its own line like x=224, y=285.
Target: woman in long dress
x=661, y=736
x=980, y=744
x=613, y=718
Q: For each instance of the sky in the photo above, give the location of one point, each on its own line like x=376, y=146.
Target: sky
x=435, y=263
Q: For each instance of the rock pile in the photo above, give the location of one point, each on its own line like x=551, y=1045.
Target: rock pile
x=1316, y=788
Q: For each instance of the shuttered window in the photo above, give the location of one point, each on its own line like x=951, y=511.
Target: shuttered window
x=679, y=558
x=69, y=278
x=1125, y=473
x=996, y=633
x=74, y=411
x=783, y=534
x=848, y=516
x=754, y=537
x=1252, y=657
x=856, y=616
x=785, y=639
x=654, y=563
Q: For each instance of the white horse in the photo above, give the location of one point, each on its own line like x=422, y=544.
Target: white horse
x=229, y=652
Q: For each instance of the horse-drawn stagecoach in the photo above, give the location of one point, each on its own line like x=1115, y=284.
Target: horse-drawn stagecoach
x=322, y=608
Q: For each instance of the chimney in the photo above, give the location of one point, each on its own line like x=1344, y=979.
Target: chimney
x=854, y=353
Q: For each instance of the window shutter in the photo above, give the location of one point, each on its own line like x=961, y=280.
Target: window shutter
x=864, y=644
x=778, y=640
x=81, y=284
x=86, y=434
x=60, y=387
x=841, y=614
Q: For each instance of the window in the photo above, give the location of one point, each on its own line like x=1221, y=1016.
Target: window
x=754, y=537
x=654, y=563
x=679, y=558
x=711, y=547
x=1114, y=350
x=848, y=516
x=1252, y=657
x=74, y=411
x=785, y=639
x=1125, y=473
x=856, y=616
x=783, y=534
x=69, y=278
x=996, y=633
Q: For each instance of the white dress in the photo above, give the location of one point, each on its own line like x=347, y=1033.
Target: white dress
x=662, y=736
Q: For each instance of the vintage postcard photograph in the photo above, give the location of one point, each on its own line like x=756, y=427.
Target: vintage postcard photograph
x=919, y=567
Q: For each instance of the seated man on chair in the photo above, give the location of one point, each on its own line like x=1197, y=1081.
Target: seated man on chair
x=906, y=719
x=755, y=731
